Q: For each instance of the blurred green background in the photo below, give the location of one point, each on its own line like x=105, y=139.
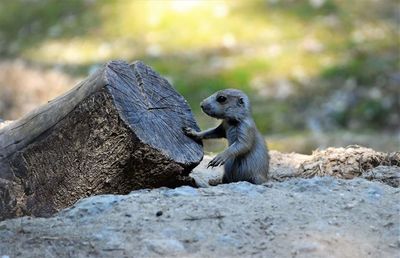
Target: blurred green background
x=319, y=72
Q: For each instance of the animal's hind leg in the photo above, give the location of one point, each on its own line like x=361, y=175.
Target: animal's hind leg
x=228, y=172
x=215, y=181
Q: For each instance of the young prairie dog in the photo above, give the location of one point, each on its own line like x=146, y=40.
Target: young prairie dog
x=246, y=158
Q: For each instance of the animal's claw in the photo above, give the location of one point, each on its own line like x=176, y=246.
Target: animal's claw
x=191, y=133
x=217, y=161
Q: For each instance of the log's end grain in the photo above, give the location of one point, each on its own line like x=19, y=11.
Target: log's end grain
x=117, y=131
x=153, y=110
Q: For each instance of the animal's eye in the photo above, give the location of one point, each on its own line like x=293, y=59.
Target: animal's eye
x=221, y=99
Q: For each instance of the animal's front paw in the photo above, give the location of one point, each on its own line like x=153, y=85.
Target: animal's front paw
x=218, y=160
x=215, y=181
x=190, y=133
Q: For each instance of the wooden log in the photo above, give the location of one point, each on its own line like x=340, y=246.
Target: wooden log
x=118, y=130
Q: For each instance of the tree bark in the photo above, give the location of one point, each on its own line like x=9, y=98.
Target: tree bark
x=118, y=130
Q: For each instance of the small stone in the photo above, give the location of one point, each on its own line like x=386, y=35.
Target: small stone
x=166, y=247
x=159, y=213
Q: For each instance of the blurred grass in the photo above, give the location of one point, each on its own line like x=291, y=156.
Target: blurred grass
x=25, y=24
x=309, y=66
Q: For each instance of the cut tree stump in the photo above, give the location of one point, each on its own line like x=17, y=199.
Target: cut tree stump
x=117, y=131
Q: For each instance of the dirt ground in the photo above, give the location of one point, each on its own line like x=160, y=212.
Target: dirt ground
x=286, y=217
x=318, y=217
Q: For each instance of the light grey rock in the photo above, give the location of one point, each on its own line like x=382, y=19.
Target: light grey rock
x=318, y=217
x=201, y=174
x=164, y=246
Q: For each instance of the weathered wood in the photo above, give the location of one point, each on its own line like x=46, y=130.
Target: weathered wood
x=118, y=130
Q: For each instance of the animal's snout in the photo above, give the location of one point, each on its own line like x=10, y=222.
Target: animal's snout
x=206, y=107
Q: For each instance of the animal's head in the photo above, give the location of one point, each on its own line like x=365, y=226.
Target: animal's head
x=227, y=104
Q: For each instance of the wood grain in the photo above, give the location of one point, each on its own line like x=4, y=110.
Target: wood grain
x=118, y=130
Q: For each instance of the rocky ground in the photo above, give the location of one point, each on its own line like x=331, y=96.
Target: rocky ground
x=287, y=217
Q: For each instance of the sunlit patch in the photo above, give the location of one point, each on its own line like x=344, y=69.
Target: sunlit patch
x=184, y=6
x=284, y=53
x=79, y=51
x=221, y=10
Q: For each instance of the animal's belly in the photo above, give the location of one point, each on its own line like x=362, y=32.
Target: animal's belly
x=254, y=160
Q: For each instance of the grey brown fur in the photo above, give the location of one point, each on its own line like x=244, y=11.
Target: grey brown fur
x=246, y=158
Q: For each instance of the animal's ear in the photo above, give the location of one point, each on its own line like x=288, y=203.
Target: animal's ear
x=241, y=101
